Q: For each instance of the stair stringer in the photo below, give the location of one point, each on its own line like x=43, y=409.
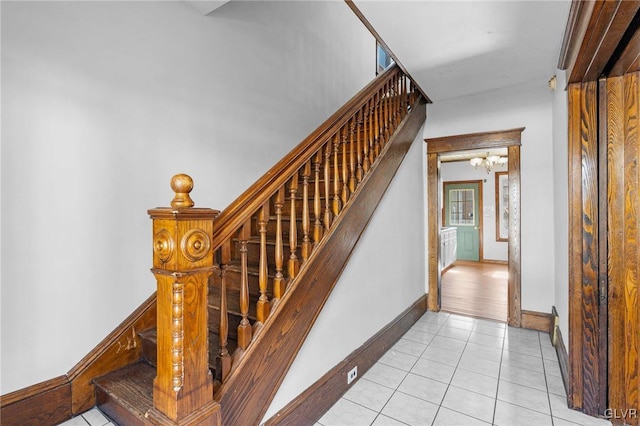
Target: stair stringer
x=248, y=392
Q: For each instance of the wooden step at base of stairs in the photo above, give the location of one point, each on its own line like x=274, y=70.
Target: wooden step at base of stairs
x=127, y=394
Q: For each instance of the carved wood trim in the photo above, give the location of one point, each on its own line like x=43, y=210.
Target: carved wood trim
x=484, y=140
x=379, y=39
x=311, y=404
x=595, y=36
x=283, y=335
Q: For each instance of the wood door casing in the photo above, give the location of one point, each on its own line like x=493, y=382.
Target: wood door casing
x=511, y=139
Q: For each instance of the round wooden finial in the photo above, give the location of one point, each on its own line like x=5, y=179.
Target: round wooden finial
x=182, y=185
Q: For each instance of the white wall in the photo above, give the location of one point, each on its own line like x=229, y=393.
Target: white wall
x=462, y=170
x=561, y=202
x=527, y=106
x=102, y=103
x=395, y=282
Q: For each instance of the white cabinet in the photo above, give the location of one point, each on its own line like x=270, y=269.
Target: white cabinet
x=448, y=246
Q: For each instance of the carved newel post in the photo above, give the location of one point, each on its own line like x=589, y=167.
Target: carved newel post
x=182, y=264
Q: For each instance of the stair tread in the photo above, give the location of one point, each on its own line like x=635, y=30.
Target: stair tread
x=131, y=387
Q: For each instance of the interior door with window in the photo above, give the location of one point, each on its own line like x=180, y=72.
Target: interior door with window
x=462, y=210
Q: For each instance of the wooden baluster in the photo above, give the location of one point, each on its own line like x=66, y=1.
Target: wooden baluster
x=294, y=263
x=398, y=107
x=262, y=306
x=366, y=164
x=317, y=224
x=327, y=185
x=403, y=97
x=375, y=149
x=278, y=280
x=381, y=123
x=306, y=242
x=372, y=125
x=344, y=196
x=352, y=158
x=394, y=106
x=337, y=203
x=182, y=264
x=359, y=130
x=223, y=360
x=244, y=328
x=385, y=114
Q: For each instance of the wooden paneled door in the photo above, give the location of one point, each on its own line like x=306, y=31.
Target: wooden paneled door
x=604, y=264
x=623, y=240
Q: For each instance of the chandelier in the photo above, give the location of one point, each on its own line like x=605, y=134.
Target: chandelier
x=488, y=162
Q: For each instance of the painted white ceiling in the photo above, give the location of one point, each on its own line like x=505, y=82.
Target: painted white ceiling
x=458, y=48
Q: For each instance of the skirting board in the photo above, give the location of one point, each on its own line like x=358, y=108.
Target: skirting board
x=537, y=321
x=311, y=404
x=46, y=403
x=561, y=352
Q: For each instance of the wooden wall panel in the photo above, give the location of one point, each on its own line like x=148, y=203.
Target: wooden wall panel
x=623, y=141
x=583, y=248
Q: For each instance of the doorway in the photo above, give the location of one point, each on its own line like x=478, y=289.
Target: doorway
x=510, y=139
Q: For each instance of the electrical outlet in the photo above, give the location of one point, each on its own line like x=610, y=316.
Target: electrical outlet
x=352, y=374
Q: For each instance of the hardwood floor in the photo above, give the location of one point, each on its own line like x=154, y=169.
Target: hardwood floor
x=476, y=289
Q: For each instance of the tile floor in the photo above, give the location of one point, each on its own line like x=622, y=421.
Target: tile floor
x=93, y=417
x=450, y=370
x=455, y=370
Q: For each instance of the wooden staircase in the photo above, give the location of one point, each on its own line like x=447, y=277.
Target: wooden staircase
x=262, y=268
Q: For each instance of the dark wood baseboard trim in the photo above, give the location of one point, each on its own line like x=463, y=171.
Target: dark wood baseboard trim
x=561, y=352
x=311, y=404
x=537, y=321
x=497, y=262
x=56, y=400
x=45, y=403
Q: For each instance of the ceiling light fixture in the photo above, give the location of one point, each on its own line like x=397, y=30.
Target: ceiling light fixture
x=488, y=162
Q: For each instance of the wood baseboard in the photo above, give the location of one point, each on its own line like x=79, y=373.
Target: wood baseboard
x=537, y=320
x=561, y=352
x=497, y=262
x=46, y=403
x=311, y=404
x=56, y=400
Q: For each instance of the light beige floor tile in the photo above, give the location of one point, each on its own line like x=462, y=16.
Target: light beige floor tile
x=410, y=347
x=447, y=417
x=398, y=359
x=524, y=397
x=383, y=420
x=469, y=403
x=433, y=370
x=423, y=388
x=510, y=415
x=369, y=394
x=453, y=345
x=410, y=410
x=347, y=413
x=385, y=375
x=475, y=382
x=523, y=376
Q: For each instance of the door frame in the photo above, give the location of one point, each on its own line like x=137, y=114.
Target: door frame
x=510, y=139
x=480, y=211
